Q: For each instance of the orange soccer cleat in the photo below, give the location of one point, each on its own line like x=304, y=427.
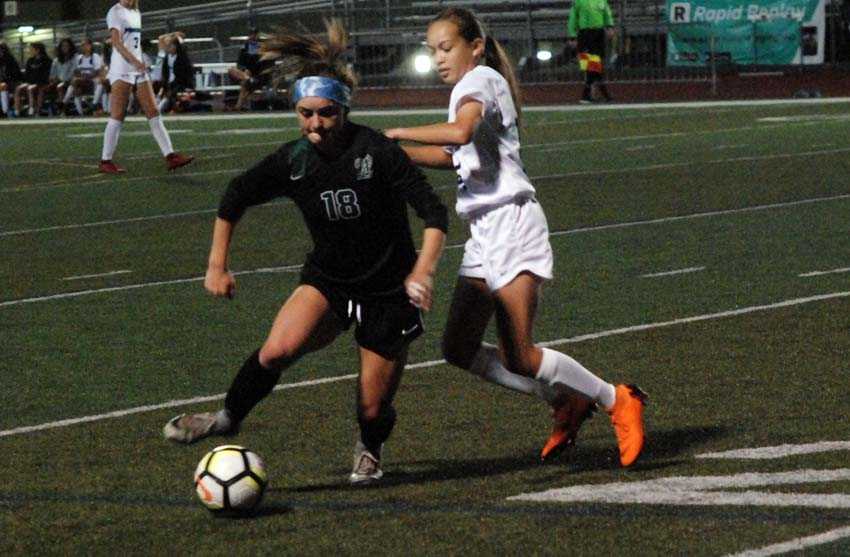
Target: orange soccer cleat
x=569, y=411
x=176, y=160
x=109, y=167
x=627, y=418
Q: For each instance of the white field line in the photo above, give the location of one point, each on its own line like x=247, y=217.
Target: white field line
x=701, y=491
x=701, y=215
x=110, y=180
x=676, y=272
x=98, y=275
x=30, y=162
x=556, y=233
x=433, y=363
x=262, y=270
x=819, y=273
x=442, y=111
x=730, y=146
x=134, y=133
x=778, y=451
x=797, y=544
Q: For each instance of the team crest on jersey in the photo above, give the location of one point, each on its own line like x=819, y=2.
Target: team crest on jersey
x=363, y=166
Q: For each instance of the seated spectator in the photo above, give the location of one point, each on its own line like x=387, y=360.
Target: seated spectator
x=178, y=73
x=36, y=79
x=250, y=70
x=62, y=72
x=87, y=78
x=10, y=75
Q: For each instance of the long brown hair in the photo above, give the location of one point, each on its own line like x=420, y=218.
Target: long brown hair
x=470, y=28
x=302, y=55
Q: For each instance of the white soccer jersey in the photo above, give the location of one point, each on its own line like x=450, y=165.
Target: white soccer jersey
x=88, y=66
x=489, y=167
x=129, y=26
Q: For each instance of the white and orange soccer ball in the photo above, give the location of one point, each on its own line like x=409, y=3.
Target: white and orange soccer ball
x=230, y=480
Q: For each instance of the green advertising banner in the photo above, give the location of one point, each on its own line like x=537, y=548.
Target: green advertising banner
x=762, y=32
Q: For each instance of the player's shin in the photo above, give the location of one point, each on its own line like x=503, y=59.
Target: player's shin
x=488, y=365
x=557, y=368
x=252, y=384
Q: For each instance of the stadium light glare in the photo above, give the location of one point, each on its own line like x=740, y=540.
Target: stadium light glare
x=422, y=63
x=26, y=29
x=544, y=55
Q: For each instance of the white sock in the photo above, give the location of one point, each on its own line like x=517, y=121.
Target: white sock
x=4, y=100
x=560, y=368
x=68, y=94
x=78, y=102
x=98, y=91
x=110, y=138
x=162, y=105
x=488, y=365
x=105, y=102
x=161, y=135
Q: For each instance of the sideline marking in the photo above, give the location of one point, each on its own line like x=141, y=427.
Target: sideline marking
x=96, y=135
x=676, y=272
x=819, y=273
x=110, y=181
x=442, y=111
x=700, y=490
x=797, y=544
x=554, y=233
x=98, y=275
x=427, y=364
x=778, y=451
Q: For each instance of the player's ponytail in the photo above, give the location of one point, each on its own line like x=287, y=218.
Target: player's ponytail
x=470, y=28
x=300, y=55
x=496, y=57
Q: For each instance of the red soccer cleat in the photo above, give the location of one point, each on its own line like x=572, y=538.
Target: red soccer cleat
x=176, y=160
x=569, y=412
x=109, y=167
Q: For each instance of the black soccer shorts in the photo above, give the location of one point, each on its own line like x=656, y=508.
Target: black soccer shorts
x=383, y=324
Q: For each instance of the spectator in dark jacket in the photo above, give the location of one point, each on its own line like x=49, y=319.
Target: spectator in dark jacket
x=36, y=79
x=178, y=73
x=250, y=70
x=10, y=74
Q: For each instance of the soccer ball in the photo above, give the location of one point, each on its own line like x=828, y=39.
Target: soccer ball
x=230, y=480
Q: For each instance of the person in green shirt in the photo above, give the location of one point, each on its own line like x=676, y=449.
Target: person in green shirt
x=591, y=23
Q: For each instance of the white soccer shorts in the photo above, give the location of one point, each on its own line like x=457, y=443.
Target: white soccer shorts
x=507, y=240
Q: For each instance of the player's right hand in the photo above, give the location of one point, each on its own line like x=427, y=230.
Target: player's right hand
x=220, y=283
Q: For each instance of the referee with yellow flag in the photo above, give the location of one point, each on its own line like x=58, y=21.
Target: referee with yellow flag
x=591, y=22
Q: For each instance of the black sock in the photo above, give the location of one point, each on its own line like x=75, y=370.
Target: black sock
x=373, y=433
x=586, y=93
x=251, y=385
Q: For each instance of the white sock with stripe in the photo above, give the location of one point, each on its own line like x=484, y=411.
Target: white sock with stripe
x=98, y=91
x=488, y=366
x=560, y=368
x=161, y=135
x=68, y=94
x=110, y=138
x=78, y=102
x=105, y=102
x=4, y=100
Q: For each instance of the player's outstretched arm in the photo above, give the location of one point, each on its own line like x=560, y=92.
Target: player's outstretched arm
x=219, y=281
x=431, y=156
x=458, y=132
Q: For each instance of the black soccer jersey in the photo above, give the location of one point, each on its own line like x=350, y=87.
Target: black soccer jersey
x=354, y=206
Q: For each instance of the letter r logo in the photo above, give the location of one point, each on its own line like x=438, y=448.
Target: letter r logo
x=680, y=12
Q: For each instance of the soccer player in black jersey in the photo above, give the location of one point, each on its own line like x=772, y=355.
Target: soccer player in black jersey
x=352, y=186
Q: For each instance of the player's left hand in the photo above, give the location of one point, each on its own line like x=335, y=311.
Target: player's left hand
x=420, y=290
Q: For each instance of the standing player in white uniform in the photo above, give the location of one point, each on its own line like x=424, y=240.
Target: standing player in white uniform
x=127, y=71
x=508, y=255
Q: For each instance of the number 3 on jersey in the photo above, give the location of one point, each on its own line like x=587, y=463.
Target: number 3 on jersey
x=341, y=204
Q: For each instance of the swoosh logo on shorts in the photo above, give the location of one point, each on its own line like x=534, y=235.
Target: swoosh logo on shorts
x=406, y=332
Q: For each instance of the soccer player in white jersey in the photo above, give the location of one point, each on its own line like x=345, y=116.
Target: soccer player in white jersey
x=128, y=72
x=508, y=255
x=86, y=76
